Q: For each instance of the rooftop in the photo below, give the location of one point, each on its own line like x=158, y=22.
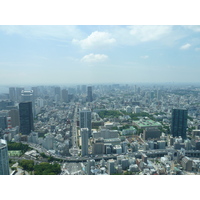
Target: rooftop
x=147, y=123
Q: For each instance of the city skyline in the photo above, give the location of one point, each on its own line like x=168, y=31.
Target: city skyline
x=98, y=54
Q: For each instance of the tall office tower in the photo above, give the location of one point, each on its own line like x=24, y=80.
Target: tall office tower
x=57, y=92
x=4, y=160
x=18, y=94
x=84, y=141
x=86, y=120
x=26, y=118
x=89, y=94
x=12, y=93
x=83, y=89
x=179, y=123
x=14, y=114
x=3, y=122
x=65, y=95
x=28, y=96
x=35, y=92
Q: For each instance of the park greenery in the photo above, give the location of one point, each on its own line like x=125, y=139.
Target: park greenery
x=18, y=146
x=47, y=169
x=43, y=168
x=109, y=113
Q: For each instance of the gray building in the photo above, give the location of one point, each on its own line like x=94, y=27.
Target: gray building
x=85, y=120
x=187, y=164
x=12, y=94
x=98, y=146
x=4, y=160
x=150, y=133
x=84, y=141
x=89, y=94
x=111, y=166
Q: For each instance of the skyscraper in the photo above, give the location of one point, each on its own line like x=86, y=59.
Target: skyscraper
x=18, y=94
x=65, y=95
x=89, y=94
x=4, y=160
x=85, y=120
x=179, y=123
x=12, y=93
x=26, y=117
x=57, y=93
x=84, y=140
x=28, y=96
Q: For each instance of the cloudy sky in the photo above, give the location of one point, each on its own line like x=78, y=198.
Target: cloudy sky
x=98, y=54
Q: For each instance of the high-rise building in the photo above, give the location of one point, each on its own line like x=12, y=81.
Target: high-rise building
x=18, y=93
x=85, y=120
x=26, y=118
x=57, y=93
x=12, y=93
x=14, y=114
x=3, y=122
x=84, y=140
x=111, y=166
x=28, y=96
x=179, y=123
x=83, y=89
x=65, y=95
x=89, y=94
x=4, y=160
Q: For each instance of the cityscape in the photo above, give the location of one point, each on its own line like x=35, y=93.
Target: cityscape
x=116, y=129
x=99, y=100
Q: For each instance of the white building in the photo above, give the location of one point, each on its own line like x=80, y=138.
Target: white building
x=137, y=109
x=4, y=160
x=86, y=120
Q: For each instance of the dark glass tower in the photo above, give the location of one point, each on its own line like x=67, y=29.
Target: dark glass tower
x=179, y=123
x=26, y=118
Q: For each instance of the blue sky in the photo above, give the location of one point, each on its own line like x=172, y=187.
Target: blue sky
x=36, y=55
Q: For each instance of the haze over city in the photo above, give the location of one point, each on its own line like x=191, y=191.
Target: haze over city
x=98, y=54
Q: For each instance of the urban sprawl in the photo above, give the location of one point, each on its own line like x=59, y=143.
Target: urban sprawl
x=107, y=129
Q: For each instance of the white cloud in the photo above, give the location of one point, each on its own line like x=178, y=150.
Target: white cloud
x=144, y=57
x=148, y=33
x=195, y=28
x=95, y=40
x=185, y=46
x=91, y=58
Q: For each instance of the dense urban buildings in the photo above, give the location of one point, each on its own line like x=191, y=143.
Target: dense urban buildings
x=123, y=129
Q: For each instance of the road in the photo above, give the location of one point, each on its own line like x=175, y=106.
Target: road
x=74, y=151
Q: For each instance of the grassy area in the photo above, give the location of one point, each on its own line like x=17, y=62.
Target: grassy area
x=14, y=153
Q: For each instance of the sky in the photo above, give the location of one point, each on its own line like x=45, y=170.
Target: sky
x=90, y=54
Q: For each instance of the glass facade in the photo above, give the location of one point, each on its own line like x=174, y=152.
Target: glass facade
x=26, y=118
x=179, y=123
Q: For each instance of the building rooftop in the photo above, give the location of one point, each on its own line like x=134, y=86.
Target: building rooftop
x=147, y=123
